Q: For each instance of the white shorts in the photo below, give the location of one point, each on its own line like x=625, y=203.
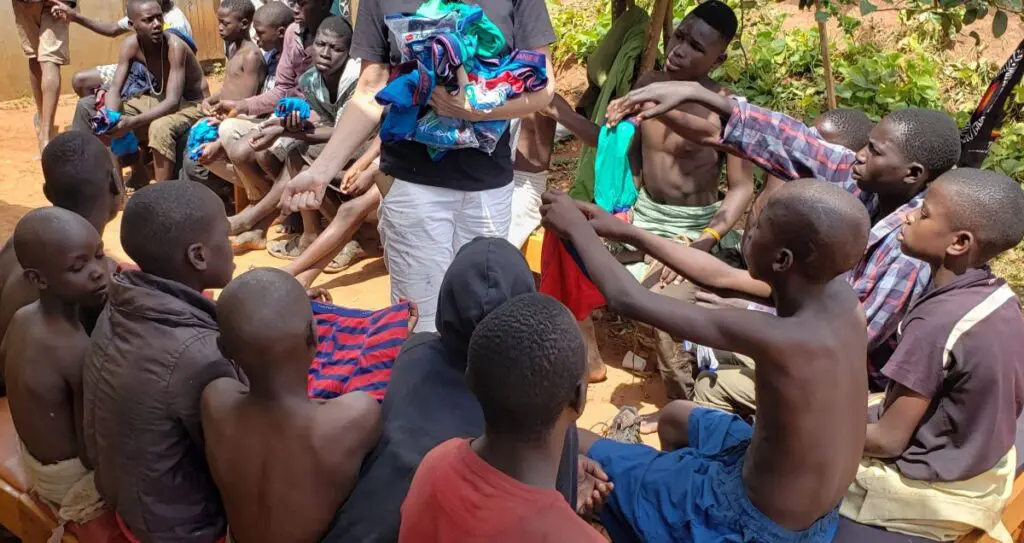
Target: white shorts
x=528, y=187
x=422, y=227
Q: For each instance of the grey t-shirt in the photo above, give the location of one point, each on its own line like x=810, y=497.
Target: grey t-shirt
x=960, y=345
x=525, y=24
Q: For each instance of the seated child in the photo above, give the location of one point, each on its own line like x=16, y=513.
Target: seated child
x=847, y=127
x=327, y=87
x=153, y=351
x=429, y=401
x=87, y=82
x=906, y=151
x=256, y=433
x=164, y=111
x=940, y=460
x=62, y=257
x=526, y=364
x=721, y=479
x=95, y=192
x=213, y=167
x=246, y=68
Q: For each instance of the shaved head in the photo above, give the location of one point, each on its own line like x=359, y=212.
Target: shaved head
x=47, y=234
x=266, y=323
x=823, y=226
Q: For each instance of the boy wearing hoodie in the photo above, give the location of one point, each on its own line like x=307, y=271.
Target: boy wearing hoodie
x=428, y=400
x=153, y=351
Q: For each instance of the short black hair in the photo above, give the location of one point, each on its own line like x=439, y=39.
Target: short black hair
x=338, y=26
x=42, y=231
x=987, y=204
x=134, y=4
x=717, y=15
x=524, y=363
x=161, y=221
x=926, y=136
x=78, y=171
x=825, y=227
x=848, y=127
x=275, y=14
x=243, y=8
x=265, y=311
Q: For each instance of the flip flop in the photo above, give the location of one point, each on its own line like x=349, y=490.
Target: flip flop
x=285, y=249
x=349, y=254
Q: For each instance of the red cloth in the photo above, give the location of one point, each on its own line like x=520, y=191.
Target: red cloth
x=132, y=539
x=562, y=279
x=456, y=496
x=102, y=529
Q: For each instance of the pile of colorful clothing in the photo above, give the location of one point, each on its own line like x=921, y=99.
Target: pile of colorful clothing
x=455, y=46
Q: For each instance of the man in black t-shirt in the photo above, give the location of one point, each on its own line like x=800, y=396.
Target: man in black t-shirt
x=433, y=208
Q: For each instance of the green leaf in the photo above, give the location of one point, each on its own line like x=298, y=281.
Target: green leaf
x=970, y=15
x=821, y=16
x=867, y=7
x=999, y=23
x=977, y=38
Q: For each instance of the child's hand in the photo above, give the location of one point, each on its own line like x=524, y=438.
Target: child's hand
x=604, y=223
x=358, y=183
x=230, y=108
x=560, y=214
x=293, y=122
x=122, y=127
x=592, y=487
x=61, y=11
x=319, y=294
x=208, y=106
x=208, y=152
x=265, y=138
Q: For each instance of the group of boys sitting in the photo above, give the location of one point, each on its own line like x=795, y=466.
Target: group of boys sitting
x=144, y=405
x=274, y=52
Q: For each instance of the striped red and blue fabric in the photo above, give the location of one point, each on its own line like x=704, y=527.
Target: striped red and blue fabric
x=356, y=349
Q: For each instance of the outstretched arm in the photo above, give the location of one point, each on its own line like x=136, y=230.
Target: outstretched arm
x=62, y=11
x=582, y=127
x=735, y=330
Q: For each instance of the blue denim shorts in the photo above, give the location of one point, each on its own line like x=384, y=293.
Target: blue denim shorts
x=692, y=494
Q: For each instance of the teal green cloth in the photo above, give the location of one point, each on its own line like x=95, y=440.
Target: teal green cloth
x=612, y=67
x=614, y=189
x=482, y=38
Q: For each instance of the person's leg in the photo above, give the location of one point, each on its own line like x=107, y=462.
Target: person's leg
x=53, y=53
x=86, y=82
x=729, y=388
x=677, y=367
x=27, y=21
x=243, y=158
x=527, y=190
x=673, y=425
x=596, y=370
x=164, y=134
x=417, y=227
x=317, y=256
x=35, y=80
x=84, y=111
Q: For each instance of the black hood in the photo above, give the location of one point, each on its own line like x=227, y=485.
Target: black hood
x=486, y=273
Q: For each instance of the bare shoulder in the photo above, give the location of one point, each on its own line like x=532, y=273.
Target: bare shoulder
x=219, y=396
x=354, y=418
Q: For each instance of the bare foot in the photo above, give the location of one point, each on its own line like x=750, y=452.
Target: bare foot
x=649, y=423
x=237, y=224
x=598, y=373
x=253, y=240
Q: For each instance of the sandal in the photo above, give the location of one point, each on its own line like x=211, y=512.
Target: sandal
x=350, y=254
x=625, y=426
x=285, y=249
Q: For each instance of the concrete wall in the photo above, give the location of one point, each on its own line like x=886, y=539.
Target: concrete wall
x=88, y=49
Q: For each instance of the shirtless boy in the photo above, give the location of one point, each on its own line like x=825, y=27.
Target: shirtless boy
x=166, y=111
x=95, y=192
x=679, y=178
x=720, y=477
x=269, y=439
x=62, y=257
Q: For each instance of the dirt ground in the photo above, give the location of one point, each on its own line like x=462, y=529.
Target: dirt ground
x=365, y=285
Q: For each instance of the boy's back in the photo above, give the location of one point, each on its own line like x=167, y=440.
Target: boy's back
x=457, y=496
x=284, y=464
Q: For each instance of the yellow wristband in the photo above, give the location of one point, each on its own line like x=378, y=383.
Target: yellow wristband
x=714, y=233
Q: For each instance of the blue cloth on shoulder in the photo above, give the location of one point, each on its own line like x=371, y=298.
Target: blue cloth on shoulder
x=286, y=106
x=692, y=494
x=201, y=132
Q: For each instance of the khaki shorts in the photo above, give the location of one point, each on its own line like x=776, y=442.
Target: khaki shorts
x=232, y=130
x=163, y=134
x=43, y=37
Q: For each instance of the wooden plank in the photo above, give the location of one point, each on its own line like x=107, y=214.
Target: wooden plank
x=1013, y=516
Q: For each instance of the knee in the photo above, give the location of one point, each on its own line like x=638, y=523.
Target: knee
x=239, y=151
x=161, y=137
x=80, y=82
x=673, y=424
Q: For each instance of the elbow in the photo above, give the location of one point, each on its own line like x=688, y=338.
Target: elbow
x=881, y=444
x=620, y=300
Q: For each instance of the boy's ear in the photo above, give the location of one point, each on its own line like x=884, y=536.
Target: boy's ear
x=783, y=260
x=246, y=23
x=962, y=244
x=579, y=397
x=916, y=172
x=34, y=278
x=196, y=254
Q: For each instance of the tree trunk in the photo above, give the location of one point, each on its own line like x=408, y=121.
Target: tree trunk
x=658, y=14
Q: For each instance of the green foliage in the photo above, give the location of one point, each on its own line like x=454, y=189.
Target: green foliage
x=578, y=31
